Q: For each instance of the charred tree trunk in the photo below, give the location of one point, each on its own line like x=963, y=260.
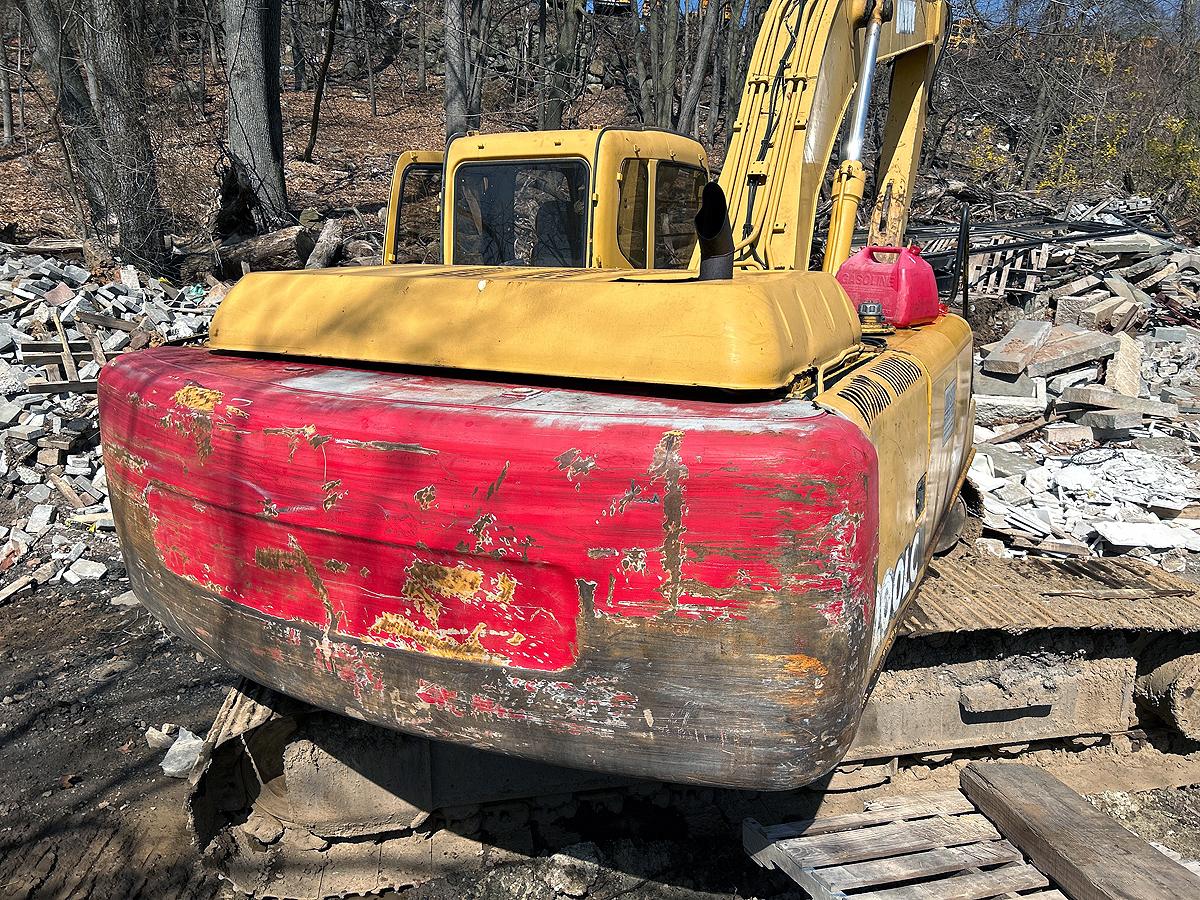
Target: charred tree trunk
x=639, y=64
x=670, y=57
x=322, y=74
x=255, y=129
x=75, y=113
x=365, y=39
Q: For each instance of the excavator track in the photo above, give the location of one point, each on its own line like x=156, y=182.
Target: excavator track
x=1048, y=660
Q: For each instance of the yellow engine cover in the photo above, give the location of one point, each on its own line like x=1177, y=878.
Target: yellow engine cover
x=757, y=331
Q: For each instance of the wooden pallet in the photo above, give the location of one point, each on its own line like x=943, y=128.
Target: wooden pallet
x=935, y=847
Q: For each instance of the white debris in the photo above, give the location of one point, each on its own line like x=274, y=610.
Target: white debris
x=181, y=758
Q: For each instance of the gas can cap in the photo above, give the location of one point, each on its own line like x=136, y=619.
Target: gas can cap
x=870, y=310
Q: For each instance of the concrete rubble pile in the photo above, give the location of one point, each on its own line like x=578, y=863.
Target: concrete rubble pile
x=58, y=326
x=1088, y=408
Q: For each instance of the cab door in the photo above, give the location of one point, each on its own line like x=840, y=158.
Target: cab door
x=414, y=222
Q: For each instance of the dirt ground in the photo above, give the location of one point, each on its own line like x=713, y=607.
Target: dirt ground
x=85, y=810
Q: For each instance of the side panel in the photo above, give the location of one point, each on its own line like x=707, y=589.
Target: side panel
x=666, y=589
x=914, y=401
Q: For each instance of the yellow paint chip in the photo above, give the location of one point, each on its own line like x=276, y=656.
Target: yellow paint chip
x=198, y=399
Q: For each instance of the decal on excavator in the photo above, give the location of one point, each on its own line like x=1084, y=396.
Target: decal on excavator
x=895, y=586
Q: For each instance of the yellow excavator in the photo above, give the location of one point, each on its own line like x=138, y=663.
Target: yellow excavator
x=595, y=480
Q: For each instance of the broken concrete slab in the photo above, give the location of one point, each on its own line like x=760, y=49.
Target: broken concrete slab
x=1015, y=350
x=1154, y=535
x=1103, y=398
x=994, y=411
x=1123, y=373
x=1068, y=433
x=1006, y=385
x=1099, y=314
x=1111, y=419
x=1005, y=463
x=1063, y=380
x=1070, y=349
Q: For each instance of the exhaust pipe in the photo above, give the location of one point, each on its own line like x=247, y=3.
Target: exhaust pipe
x=715, y=234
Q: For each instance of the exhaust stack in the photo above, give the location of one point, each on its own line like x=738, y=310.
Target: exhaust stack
x=715, y=234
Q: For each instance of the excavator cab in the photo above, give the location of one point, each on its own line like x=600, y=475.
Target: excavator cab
x=600, y=198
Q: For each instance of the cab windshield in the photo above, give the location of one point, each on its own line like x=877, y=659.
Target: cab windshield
x=527, y=213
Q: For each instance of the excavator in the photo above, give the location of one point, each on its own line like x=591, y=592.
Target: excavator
x=610, y=472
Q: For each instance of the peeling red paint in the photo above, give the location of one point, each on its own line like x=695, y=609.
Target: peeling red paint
x=475, y=533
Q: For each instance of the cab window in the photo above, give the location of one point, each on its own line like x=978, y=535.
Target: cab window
x=530, y=213
x=418, y=220
x=677, y=191
x=632, y=206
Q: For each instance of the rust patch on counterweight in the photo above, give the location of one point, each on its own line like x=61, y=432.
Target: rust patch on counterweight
x=308, y=434
x=294, y=559
x=426, y=496
x=575, y=464
x=433, y=642
x=428, y=581
x=389, y=446
x=668, y=466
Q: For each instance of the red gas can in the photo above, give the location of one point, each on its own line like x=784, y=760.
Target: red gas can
x=906, y=288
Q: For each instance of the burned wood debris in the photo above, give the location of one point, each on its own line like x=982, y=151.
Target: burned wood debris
x=58, y=327
x=1088, y=405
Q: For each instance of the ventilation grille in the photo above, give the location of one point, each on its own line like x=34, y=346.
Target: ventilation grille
x=869, y=397
x=897, y=371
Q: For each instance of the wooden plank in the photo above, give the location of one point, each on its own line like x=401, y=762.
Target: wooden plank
x=945, y=803
x=1020, y=431
x=61, y=387
x=98, y=355
x=103, y=321
x=888, y=840
x=68, y=361
x=52, y=347
x=975, y=886
x=1086, y=852
x=67, y=491
x=919, y=865
x=1015, y=350
x=54, y=359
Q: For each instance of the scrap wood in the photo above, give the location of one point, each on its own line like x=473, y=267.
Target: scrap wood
x=1024, y=429
x=1087, y=853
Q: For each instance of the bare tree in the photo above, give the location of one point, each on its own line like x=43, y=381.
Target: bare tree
x=690, y=105
x=255, y=123
x=322, y=74
x=6, y=85
x=107, y=143
x=461, y=45
x=565, y=58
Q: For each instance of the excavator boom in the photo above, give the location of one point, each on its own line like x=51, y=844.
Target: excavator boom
x=806, y=66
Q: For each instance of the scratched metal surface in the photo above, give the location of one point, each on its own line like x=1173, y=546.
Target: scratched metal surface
x=662, y=588
x=984, y=593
